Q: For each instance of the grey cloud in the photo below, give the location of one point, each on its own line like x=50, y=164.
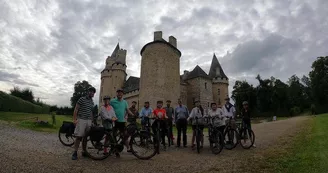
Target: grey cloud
x=5, y=76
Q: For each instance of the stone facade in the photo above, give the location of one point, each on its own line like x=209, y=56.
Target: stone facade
x=160, y=78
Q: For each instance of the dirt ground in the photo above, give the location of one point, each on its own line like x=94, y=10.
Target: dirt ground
x=29, y=151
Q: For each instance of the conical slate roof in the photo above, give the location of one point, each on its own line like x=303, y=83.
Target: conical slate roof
x=197, y=72
x=115, y=52
x=216, y=70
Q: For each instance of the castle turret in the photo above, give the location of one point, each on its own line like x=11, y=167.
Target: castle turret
x=160, y=66
x=220, y=81
x=114, y=74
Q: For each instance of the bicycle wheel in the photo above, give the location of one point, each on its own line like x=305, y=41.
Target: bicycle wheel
x=216, y=143
x=66, y=139
x=198, y=138
x=100, y=150
x=231, y=138
x=247, y=139
x=142, y=145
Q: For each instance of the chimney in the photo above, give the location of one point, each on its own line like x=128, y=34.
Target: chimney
x=173, y=41
x=157, y=35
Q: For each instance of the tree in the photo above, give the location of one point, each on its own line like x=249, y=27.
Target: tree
x=296, y=93
x=243, y=91
x=25, y=94
x=264, y=94
x=80, y=89
x=319, y=83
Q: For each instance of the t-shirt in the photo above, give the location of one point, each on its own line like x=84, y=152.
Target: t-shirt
x=217, y=113
x=169, y=112
x=246, y=114
x=85, y=109
x=120, y=107
x=160, y=113
x=228, y=110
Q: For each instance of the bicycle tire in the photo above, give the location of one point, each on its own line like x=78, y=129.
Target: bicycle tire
x=146, y=136
x=226, y=134
x=252, y=141
x=198, y=140
x=62, y=141
x=218, y=139
x=110, y=145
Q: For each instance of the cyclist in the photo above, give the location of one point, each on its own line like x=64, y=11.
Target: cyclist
x=246, y=117
x=82, y=118
x=145, y=113
x=121, y=108
x=229, y=111
x=108, y=116
x=181, y=114
x=134, y=110
x=217, y=112
x=198, y=112
x=160, y=114
x=170, y=114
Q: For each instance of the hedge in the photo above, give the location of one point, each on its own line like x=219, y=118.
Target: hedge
x=9, y=103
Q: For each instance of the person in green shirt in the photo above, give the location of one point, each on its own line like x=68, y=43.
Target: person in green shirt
x=121, y=108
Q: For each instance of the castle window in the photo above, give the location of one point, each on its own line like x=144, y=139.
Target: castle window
x=218, y=91
x=208, y=104
x=115, y=76
x=205, y=85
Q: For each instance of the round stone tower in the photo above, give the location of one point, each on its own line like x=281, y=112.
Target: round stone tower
x=160, y=71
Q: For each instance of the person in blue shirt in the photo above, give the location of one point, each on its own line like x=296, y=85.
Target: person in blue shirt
x=145, y=113
x=121, y=108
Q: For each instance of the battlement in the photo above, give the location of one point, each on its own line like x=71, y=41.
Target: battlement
x=158, y=36
x=220, y=80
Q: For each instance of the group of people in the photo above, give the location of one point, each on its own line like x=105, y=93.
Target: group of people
x=116, y=111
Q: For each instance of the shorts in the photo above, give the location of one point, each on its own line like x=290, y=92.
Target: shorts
x=201, y=127
x=82, y=127
x=120, y=126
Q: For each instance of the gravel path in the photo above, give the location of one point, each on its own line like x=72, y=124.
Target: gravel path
x=29, y=151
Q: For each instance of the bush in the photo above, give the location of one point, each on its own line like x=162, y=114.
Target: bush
x=295, y=111
x=9, y=103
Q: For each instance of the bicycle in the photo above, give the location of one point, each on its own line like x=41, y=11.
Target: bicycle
x=214, y=135
x=245, y=135
x=198, y=132
x=97, y=134
x=158, y=134
x=231, y=136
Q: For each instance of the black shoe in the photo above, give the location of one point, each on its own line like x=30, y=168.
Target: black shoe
x=74, y=156
x=178, y=146
x=185, y=146
x=117, y=155
x=84, y=154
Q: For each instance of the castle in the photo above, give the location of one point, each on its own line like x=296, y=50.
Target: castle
x=160, y=77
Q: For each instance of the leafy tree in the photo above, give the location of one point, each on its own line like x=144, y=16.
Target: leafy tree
x=319, y=82
x=80, y=89
x=25, y=94
x=296, y=93
x=264, y=94
x=243, y=91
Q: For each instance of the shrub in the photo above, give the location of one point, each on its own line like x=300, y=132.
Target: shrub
x=295, y=111
x=9, y=103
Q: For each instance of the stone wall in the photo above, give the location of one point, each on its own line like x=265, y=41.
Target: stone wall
x=183, y=94
x=220, y=91
x=133, y=96
x=206, y=93
x=159, y=75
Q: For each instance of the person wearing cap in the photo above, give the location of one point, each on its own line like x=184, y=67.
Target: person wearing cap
x=134, y=110
x=121, y=108
x=145, y=113
x=181, y=114
x=229, y=111
x=196, y=112
x=108, y=116
x=170, y=114
x=246, y=117
x=160, y=114
x=217, y=112
x=82, y=118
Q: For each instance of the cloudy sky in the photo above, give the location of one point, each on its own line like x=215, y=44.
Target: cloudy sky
x=48, y=45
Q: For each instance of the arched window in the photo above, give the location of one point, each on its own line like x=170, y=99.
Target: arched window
x=205, y=85
x=218, y=91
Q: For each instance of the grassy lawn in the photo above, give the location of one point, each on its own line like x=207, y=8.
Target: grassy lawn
x=27, y=120
x=307, y=152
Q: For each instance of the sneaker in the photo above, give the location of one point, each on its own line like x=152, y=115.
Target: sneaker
x=74, y=156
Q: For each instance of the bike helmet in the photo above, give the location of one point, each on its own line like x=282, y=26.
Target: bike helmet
x=92, y=89
x=119, y=90
x=245, y=103
x=106, y=98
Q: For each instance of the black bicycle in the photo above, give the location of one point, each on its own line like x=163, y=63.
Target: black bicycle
x=231, y=136
x=246, y=135
x=158, y=134
x=103, y=143
x=215, y=137
x=198, y=132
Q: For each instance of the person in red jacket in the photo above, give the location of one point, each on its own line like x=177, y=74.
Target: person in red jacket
x=160, y=115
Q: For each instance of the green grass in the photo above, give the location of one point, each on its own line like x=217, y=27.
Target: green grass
x=307, y=152
x=27, y=120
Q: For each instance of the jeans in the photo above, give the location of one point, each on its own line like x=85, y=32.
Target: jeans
x=182, y=127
